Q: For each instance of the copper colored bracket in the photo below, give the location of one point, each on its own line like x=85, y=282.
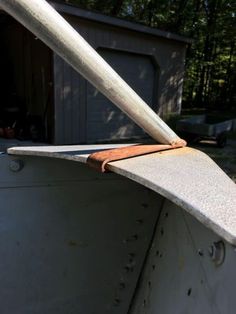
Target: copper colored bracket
x=99, y=160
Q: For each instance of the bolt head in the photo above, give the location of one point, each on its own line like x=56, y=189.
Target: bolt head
x=16, y=165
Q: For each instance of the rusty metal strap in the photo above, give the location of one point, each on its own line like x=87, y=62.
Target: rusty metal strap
x=99, y=160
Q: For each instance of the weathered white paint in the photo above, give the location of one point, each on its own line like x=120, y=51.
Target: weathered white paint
x=187, y=177
x=40, y=18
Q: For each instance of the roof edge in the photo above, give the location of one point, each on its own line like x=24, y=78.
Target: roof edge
x=114, y=21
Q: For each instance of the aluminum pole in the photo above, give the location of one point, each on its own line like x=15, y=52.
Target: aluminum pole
x=48, y=25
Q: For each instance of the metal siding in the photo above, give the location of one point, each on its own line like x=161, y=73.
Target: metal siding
x=58, y=99
x=70, y=113
x=67, y=103
x=75, y=98
x=168, y=58
x=104, y=120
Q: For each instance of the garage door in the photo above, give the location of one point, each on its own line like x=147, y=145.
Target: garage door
x=105, y=122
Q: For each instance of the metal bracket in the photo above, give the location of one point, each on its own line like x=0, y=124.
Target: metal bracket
x=99, y=160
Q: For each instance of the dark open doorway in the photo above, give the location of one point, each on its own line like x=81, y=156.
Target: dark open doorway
x=25, y=84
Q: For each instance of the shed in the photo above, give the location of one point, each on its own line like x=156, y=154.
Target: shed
x=45, y=99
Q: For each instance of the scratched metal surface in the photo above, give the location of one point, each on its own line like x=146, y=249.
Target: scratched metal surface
x=70, y=152
x=185, y=176
x=181, y=275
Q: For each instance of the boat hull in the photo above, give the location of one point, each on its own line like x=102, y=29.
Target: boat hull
x=77, y=241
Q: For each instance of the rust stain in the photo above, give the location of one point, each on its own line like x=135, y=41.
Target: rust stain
x=99, y=160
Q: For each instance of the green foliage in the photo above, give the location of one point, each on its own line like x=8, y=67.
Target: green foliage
x=210, y=63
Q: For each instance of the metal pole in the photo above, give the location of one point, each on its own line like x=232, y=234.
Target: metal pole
x=42, y=20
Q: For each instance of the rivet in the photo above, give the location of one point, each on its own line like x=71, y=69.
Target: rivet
x=129, y=268
x=131, y=255
x=117, y=302
x=139, y=221
x=122, y=285
x=200, y=252
x=131, y=238
x=16, y=165
x=217, y=252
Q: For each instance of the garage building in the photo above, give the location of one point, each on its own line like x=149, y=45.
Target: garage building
x=46, y=100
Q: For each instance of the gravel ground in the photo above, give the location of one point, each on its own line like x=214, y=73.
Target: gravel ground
x=224, y=157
